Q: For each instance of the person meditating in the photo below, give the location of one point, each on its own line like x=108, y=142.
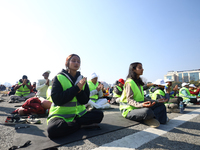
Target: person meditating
x=70, y=93
x=134, y=106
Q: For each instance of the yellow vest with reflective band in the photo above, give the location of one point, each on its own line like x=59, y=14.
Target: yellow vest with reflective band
x=48, y=95
x=138, y=97
x=92, y=87
x=157, y=92
x=115, y=94
x=69, y=110
x=183, y=96
x=23, y=90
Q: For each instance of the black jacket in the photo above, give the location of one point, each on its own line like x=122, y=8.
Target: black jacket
x=61, y=97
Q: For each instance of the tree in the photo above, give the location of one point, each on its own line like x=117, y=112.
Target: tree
x=176, y=83
x=196, y=83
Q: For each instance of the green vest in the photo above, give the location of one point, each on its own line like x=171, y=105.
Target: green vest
x=157, y=92
x=138, y=97
x=69, y=110
x=23, y=90
x=48, y=95
x=92, y=87
x=115, y=94
x=183, y=96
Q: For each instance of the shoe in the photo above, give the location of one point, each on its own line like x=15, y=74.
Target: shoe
x=14, y=120
x=152, y=123
x=1, y=99
x=11, y=101
x=21, y=99
x=31, y=119
x=16, y=101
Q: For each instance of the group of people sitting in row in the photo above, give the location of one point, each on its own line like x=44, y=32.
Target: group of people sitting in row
x=188, y=94
x=75, y=102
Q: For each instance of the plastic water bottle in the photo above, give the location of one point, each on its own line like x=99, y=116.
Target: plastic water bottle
x=181, y=107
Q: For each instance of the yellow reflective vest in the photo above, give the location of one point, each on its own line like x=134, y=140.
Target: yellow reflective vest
x=92, y=87
x=23, y=90
x=69, y=110
x=182, y=95
x=115, y=94
x=138, y=97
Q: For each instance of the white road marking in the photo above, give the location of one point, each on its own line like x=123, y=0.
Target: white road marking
x=136, y=140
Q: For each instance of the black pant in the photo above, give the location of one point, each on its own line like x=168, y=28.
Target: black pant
x=157, y=111
x=57, y=127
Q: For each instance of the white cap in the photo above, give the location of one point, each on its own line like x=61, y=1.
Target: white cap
x=93, y=75
x=192, y=85
x=160, y=82
x=48, y=71
x=168, y=80
x=184, y=84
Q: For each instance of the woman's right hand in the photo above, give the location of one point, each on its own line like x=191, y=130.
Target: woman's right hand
x=81, y=83
x=148, y=104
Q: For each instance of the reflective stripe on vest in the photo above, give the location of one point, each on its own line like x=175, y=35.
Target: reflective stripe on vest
x=23, y=90
x=138, y=97
x=115, y=94
x=69, y=110
x=92, y=87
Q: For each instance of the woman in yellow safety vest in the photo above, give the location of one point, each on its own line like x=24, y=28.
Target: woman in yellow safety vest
x=69, y=95
x=134, y=106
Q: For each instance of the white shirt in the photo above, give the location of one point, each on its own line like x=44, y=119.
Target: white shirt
x=41, y=87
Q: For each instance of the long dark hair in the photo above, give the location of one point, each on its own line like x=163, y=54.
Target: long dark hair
x=132, y=75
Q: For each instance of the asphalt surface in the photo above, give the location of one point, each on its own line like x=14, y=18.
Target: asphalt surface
x=184, y=136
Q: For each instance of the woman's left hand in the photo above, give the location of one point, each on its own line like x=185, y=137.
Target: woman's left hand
x=81, y=83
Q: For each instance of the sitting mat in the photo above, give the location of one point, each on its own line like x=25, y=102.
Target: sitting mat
x=37, y=134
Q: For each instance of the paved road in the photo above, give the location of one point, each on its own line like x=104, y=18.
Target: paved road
x=181, y=132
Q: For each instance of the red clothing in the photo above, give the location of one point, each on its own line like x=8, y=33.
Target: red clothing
x=32, y=105
x=195, y=93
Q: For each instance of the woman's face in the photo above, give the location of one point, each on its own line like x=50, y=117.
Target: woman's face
x=74, y=63
x=138, y=70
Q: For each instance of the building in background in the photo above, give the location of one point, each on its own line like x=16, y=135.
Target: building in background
x=183, y=76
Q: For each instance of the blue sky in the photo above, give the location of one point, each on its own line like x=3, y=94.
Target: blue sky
x=108, y=35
